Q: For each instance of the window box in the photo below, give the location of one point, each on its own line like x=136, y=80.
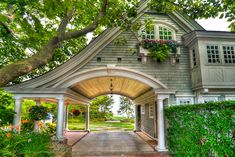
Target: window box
x=159, y=50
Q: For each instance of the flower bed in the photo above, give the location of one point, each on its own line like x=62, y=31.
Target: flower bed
x=159, y=49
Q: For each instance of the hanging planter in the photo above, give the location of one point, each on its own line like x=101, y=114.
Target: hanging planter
x=76, y=112
x=38, y=113
x=159, y=49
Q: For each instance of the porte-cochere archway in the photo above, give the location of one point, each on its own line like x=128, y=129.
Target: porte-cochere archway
x=83, y=86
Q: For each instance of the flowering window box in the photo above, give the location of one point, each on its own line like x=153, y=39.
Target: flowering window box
x=159, y=49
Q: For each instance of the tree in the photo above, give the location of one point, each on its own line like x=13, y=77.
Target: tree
x=101, y=107
x=126, y=107
x=39, y=35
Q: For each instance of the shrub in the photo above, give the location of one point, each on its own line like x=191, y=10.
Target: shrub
x=6, y=116
x=27, y=144
x=201, y=130
x=49, y=128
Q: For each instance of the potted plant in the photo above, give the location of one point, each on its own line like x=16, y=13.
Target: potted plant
x=159, y=49
x=37, y=113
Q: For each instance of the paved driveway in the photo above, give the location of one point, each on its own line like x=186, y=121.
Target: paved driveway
x=111, y=143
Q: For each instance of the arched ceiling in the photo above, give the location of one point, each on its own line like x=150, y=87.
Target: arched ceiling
x=94, y=87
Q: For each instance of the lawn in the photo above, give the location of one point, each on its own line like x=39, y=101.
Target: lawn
x=102, y=126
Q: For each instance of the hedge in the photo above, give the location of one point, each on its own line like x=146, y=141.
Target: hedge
x=201, y=130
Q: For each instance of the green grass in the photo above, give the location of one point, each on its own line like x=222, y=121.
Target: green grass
x=102, y=126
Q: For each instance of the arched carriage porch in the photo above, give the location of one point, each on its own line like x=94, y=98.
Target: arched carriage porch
x=82, y=87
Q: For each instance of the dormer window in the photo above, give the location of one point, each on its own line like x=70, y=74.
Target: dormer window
x=158, y=32
x=148, y=33
x=165, y=33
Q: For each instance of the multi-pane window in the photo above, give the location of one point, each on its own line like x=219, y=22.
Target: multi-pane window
x=165, y=33
x=194, y=57
x=148, y=33
x=151, y=109
x=213, y=54
x=229, y=55
x=158, y=32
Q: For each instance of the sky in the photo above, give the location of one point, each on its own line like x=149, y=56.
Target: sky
x=209, y=24
x=214, y=24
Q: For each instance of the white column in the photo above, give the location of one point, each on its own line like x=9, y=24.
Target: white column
x=36, y=122
x=136, y=118
x=60, y=120
x=88, y=118
x=17, y=116
x=161, y=128
x=66, y=117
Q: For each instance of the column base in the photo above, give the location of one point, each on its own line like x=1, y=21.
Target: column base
x=161, y=149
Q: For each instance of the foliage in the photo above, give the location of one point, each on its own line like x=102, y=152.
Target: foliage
x=198, y=9
x=27, y=125
x=126, y=107
x=49, y=128
x=100, y=108
x=201, y=130
x=6, y=116
x=27, y=26
x=30, y=144
x=6, y=99
x=159, y=49
x=38, y=113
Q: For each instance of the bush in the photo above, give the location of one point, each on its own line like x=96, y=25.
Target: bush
x=24, y=145
x=201, y=130
x=49, y=128
x=6, y=116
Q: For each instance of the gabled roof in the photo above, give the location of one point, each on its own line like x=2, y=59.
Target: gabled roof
x=71, y=66
x=212, y=35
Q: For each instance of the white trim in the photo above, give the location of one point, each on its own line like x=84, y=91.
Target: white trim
x=229, y=97
x=142, y=109
x=151, y=110
x=110, y=71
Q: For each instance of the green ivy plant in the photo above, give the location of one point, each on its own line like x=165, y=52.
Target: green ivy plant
x=159, y=49
x=37, y=113
x=205, y=130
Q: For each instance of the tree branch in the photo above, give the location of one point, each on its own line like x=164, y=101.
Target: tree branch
x=64, y=22
x=12, y=71
x=89, y=28
x=9, y=31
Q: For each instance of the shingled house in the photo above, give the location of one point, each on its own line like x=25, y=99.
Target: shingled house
x=201, y=69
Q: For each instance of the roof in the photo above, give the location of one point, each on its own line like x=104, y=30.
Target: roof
x=203, y=34
x=71, y=66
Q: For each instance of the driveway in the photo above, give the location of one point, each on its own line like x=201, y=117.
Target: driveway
x=111, y=143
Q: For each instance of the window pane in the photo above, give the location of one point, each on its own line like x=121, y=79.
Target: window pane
x=165, y=33
x=213, y=54
x=229, y=54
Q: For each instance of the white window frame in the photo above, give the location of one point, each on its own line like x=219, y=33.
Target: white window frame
x=229, y=97
x=151, y=110
x=209, y=98
x=222, y=53
x=180, y=98
x=219, y=53
x=142, y=108
x=156, y=31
